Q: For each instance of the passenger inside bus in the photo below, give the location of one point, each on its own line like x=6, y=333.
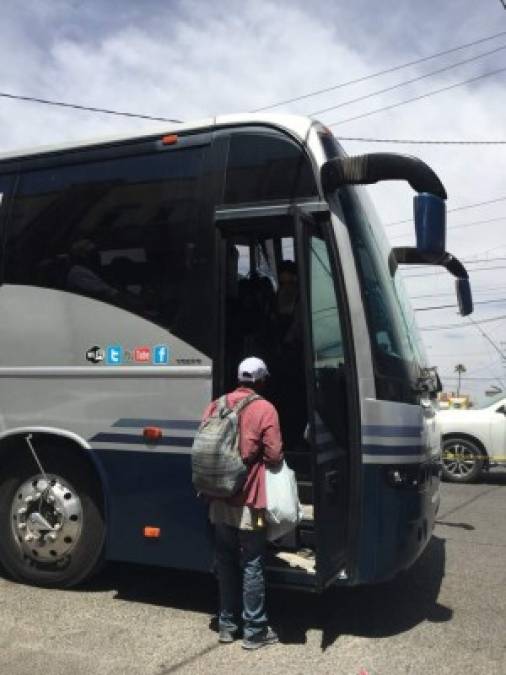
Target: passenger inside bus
x=288, y=361
x=263, y=317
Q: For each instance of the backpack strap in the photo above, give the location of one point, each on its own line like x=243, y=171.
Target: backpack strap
x=244, y=402
x=222, y=409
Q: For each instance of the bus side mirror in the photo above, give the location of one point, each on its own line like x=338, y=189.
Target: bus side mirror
x=464, y=296
x=409, y=255
x=430, y=223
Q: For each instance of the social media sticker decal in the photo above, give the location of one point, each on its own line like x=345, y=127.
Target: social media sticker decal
x=114, y=355
x=160, y=355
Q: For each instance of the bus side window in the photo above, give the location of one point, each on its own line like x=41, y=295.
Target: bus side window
x=125, y=231
x=265, y=167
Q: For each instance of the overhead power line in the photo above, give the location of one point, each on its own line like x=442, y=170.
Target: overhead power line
x=418, y=141
x=451, y=355
x=491, y=366
x=472, y=379
x=479, y=302
x=437, y=274
x=467, y=261
x=459, y=208
x=76, y=106
x=465, y=325
x=370, y=76
x=442, y=295
x=417, y=98
x=486, y=336
x=418, y=78
x=454, y=227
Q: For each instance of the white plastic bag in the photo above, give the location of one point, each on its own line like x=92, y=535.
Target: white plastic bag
x=283, y=512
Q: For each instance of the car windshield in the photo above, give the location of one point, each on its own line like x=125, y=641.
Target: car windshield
x=490, y=401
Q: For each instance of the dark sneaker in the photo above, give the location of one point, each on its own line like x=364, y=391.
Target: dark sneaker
x=267, y=637
x=226, y=636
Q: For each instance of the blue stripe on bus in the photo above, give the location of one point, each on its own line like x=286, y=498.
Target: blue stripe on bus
x=390, y=431
x=373, y=449
x=140, y=440
x=163, y=424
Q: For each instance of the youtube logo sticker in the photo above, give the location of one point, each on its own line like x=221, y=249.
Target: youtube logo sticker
x=142, y=354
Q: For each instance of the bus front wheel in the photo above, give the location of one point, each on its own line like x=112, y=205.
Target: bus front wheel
x=52, y=528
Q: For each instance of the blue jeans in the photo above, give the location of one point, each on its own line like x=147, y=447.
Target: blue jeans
x=240, y=571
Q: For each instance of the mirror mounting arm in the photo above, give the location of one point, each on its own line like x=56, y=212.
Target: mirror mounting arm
x=409, y=255
x=379, y=166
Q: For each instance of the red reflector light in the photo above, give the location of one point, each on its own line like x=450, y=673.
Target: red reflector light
x=152, y=433
x=171, y=139
x=151, y=532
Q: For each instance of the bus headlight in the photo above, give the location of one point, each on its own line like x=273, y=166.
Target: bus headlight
x=411, y=477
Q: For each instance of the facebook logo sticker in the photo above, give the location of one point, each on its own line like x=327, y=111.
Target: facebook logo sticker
x=114, y=355
x=160, y=355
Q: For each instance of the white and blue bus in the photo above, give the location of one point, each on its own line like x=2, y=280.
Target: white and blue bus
x=135, y=273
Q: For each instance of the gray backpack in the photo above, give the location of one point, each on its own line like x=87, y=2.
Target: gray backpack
x=217, y=466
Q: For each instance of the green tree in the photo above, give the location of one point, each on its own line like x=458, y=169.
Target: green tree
x=459, y=368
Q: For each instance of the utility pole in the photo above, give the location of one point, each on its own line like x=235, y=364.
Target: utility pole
x=460, y=368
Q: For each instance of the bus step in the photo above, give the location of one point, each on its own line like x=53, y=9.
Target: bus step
x=303, y=559
x=307, y=512
x=306, y=537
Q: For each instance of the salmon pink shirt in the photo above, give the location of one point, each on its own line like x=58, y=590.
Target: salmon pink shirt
x=260, y=444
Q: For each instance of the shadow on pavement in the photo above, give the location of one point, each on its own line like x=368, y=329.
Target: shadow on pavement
x=370, y=611
x=493, y=477
x=462, y=526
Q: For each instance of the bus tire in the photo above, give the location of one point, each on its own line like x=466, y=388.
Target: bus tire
x=463, y=460
x=71, y=504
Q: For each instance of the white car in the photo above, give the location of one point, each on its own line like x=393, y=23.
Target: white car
x=472, y=440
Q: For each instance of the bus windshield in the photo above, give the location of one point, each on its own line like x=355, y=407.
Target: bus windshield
x=398, y=349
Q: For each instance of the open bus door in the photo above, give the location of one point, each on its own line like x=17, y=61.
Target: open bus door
x=327, y=396
x=327, y=369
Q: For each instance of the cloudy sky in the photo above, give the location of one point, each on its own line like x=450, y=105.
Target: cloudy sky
x=191, y=59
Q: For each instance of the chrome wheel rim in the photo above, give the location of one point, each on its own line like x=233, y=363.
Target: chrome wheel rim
x=46, y=518
x=459, y=460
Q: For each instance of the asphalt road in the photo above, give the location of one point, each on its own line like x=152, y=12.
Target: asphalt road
x=446, y=615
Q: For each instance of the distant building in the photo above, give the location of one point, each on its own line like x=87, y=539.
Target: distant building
x=451, y=400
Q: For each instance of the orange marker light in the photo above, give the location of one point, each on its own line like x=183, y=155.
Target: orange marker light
x=171, y=139
x=151, y=532
x=152, y=434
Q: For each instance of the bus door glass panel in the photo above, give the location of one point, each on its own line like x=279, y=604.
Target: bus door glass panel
x=327, y=398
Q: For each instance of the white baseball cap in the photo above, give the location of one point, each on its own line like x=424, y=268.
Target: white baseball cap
x=252, y=369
